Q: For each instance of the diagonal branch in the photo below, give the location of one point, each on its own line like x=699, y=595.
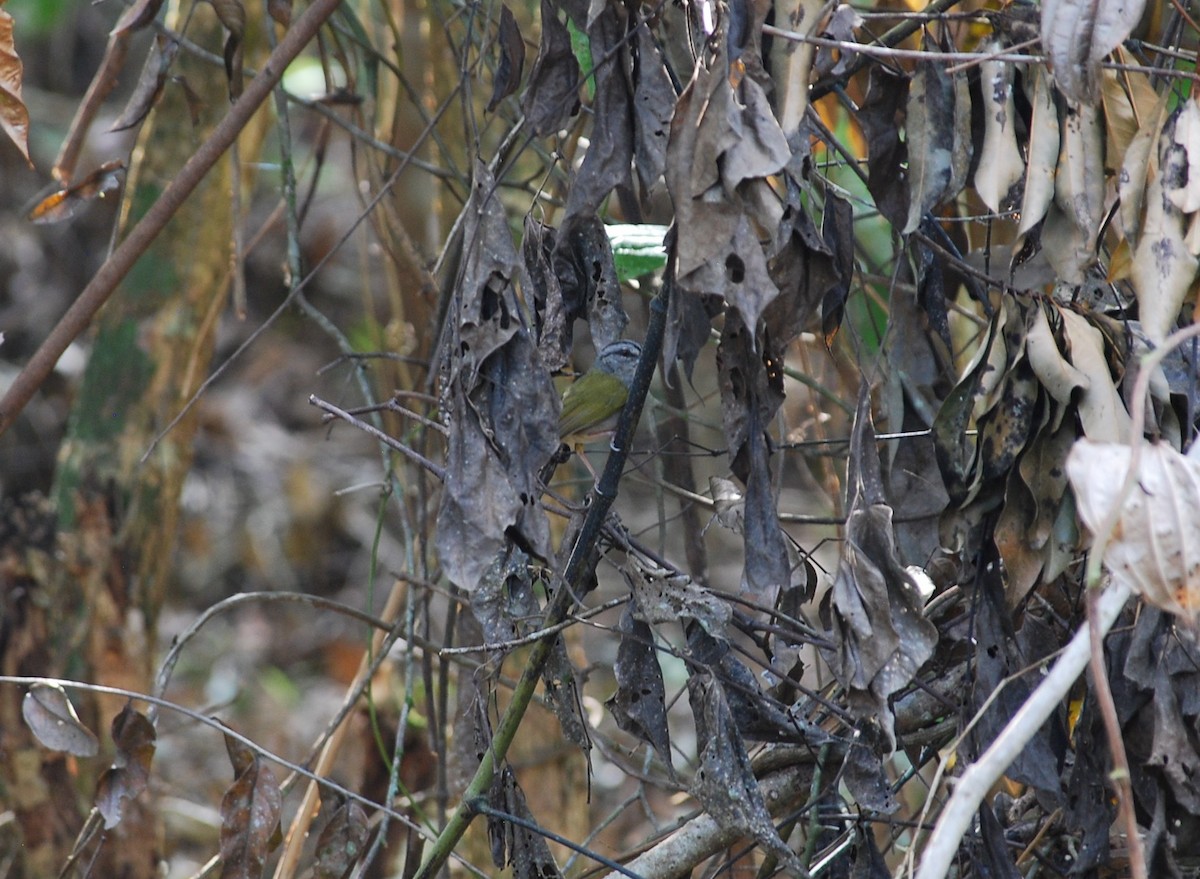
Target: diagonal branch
x=117, y=266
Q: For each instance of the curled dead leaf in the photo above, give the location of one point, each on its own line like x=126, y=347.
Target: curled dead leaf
x=1155, y=546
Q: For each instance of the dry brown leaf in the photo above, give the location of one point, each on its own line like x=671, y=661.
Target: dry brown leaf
x=1155, y=546
x=14, y=115
x=66, y=203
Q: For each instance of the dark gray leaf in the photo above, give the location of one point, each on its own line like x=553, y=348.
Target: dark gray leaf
x=552, y=96
x=724, y=783
x=803, y=268
x=874, y=607
x=653, y=105
x=863, y=770
x=640, y=704
x=549, y=310
x=52, y=719
x=499, y=401
x=757, y=714
x=610, y=150
x=887, y=157
x=562, y=692
x=150, y=83
x=661, y=596
x=342, y=841
x=514, y=843
x=504, y=603
x=134, y=738
x=587, y=275
x=512, y=59
x=930, y=141
x=1174, y=748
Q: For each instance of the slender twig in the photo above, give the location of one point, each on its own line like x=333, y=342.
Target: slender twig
x=117, y=266
x=378, y=434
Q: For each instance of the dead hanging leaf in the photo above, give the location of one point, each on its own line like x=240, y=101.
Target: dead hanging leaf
x=639, y=706
x=250, y=811
x=232, y=14
x=66, y=203
x=514, y=844
x=1163, y=266
x=653, y=104
x=588, y=280
x=724, y=143
x=1155, y=546
x=609, y=157
x=661, y=597
x=150, y=83
x=758, y=715
x=1129, y=101
x=1135, y=170
x=512, y=59
x=14, y=115
x=1001, y=168
x=874, y=608
x=1054, y=372
x=813, y=269
x=1043, y=152
x=1101, y=410
x=1077, y=34
x=137, y=15
x=1069, y=235
x=280, y=11
x=887, y=154
x=342, y=842
x=550, y=319
x=135, y=738
x=552, y=95
x=724, y=783
x=499, y=401
x=750, y=396
x=52, y=719
x=930, y=137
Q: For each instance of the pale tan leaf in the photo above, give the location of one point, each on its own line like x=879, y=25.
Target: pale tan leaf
x=929, y=128
x=1060, y=379
x=1155, y=546
x=1163, y=268
x=1101, y=410
x=1135, y=170
x=1001, y=167
x=1077, y=34
x=14, y=115
x=1043, y=153
x=1129, y=100
x=1069, y=239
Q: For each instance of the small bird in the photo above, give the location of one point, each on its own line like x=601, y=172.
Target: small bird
x=598, y=395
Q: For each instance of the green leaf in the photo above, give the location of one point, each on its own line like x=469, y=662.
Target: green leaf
x=637, y=249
